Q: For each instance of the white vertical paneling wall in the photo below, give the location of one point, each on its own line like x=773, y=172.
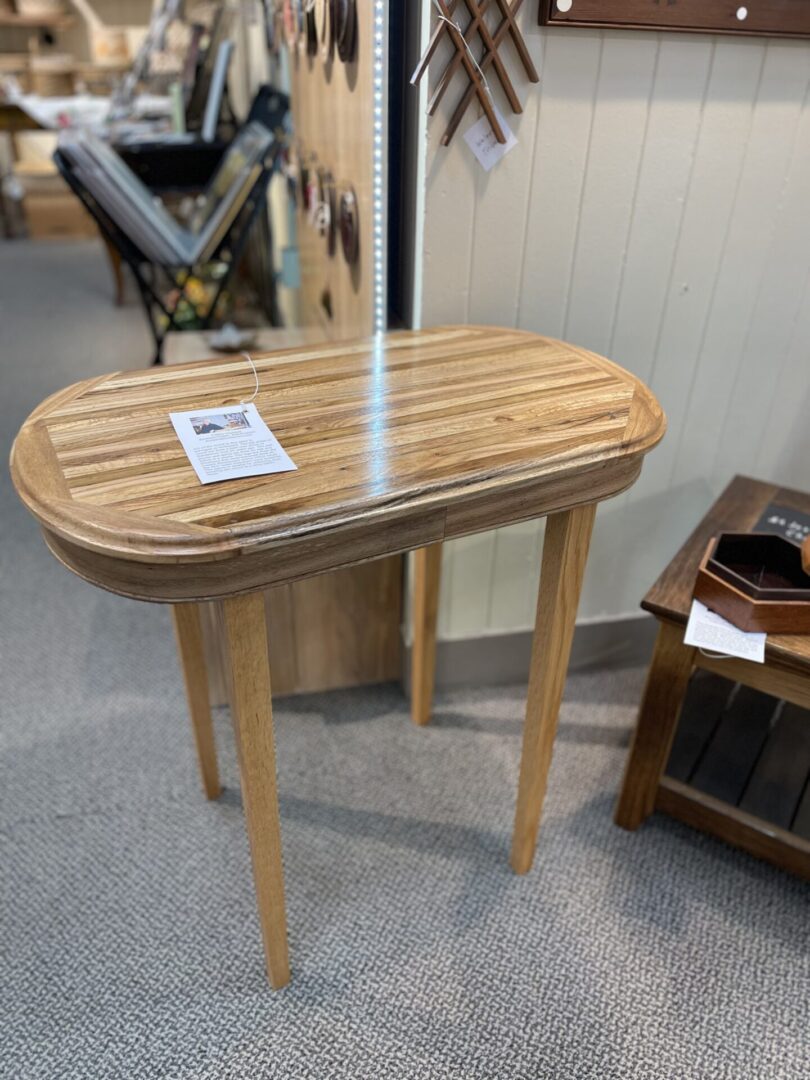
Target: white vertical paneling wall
x=656, y=209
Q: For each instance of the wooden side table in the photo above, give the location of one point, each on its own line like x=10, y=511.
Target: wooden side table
x=401, y=442
x=785, y=674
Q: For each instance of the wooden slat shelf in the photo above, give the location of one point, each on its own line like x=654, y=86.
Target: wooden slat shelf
x=53, y=22
x=740, y=768
x=88, y=68
x=784, y=849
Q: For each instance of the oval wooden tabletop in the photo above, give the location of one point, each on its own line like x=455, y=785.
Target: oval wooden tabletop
x=411, y=437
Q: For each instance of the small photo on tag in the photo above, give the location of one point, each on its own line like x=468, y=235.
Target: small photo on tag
x=228, y=443
x=219, y=423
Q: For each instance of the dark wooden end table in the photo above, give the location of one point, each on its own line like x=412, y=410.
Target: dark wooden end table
x=785, y=675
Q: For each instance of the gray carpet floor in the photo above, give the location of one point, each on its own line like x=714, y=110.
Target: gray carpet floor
x=129, y=944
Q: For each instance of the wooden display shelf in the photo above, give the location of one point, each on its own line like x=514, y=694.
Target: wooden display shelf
x=87, y=67
x=13, y=119
x=739, y=769
x=52, y=22
x=724, y=748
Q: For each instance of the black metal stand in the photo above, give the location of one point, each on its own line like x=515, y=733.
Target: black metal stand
x=155, y=280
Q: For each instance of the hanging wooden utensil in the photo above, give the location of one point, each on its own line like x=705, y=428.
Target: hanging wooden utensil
x=349, y=223
x=330, y=199
x=346, y=35
x=310, y=30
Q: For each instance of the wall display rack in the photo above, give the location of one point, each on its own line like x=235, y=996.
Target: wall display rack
x=339, y=163
x=326, y=219
x=463, y=41
x=345, y=29
x=331, y=209
x=313, y=28
x=349, y=226
x=782, y=18
x=164, y=270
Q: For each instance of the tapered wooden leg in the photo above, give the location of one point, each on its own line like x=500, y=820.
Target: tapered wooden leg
x=664, y=692
x=565, y=551
x=246, y=634
x=427, y=568
x=191, y=647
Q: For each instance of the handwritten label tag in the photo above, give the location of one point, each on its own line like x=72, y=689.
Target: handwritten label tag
x=481, y=140
x=229, y=442
x=711, y=632
x=784, y=521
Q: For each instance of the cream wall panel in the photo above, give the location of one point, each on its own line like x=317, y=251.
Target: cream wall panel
x=673, y=127
x=515, y=576
x=773, y=316
x=620, y=115
x=670, y=141
x=499, y=241
x=654, y=209
x=618, y=132
x=784, y=442
x=755, y=209
x=450, y=205
x=569, y=77
x=725, y=126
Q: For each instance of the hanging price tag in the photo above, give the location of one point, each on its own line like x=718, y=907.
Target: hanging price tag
x=229, y=442
x=481, y=140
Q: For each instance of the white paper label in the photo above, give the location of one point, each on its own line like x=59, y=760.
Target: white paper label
x=481, y=140
x=708, y=631
x=228, y=442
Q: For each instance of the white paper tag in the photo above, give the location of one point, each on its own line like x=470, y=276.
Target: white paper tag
x=711, y=632
x=481, y=140
x=228, y=442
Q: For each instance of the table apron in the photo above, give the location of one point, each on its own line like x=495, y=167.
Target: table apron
x=334, y=549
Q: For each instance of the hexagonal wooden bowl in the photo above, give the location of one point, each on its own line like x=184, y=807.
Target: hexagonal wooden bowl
x=757, y=582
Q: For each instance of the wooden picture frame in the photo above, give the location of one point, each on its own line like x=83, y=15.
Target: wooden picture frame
x=780, y=18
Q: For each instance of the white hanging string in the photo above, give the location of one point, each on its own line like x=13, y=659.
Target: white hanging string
x=252, y=397
x=443, y=18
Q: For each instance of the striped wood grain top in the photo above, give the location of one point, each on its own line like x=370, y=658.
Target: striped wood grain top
x=412, y=437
